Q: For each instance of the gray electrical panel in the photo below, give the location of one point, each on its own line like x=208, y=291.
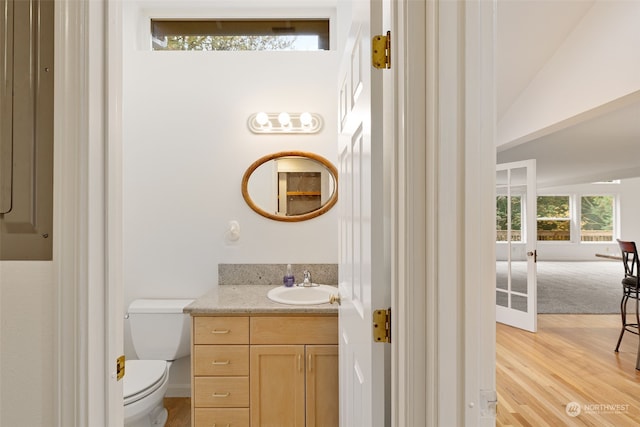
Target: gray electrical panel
x=26, y=129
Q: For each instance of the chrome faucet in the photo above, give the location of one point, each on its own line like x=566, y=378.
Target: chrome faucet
x=306, y=282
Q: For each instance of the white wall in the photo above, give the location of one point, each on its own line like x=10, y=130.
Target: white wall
x=26, y=343
x=629, y=210
x=186, y=147
x=602, y=48
x=628, y=229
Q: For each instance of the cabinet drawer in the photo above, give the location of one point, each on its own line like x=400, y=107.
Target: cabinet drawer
x=223, y=360
x=220, y=330
x=221, y=392
x=294, y=330
x=232, y=417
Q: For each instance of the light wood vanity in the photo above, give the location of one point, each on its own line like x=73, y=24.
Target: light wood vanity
x=264, y=367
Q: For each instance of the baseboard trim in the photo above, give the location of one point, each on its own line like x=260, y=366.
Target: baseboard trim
x=178, y=390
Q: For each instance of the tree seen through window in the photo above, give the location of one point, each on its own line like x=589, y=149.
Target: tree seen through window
x=229, y=43
x=596, y=218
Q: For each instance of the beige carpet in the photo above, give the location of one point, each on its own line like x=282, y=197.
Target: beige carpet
x=580, y=287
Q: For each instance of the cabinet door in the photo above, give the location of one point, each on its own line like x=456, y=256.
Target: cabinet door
x=277, y=386
x=322, y=386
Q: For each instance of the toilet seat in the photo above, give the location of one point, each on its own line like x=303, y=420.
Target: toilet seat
x=142, y=377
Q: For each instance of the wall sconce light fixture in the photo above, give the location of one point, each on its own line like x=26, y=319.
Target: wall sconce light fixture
x=285, y=122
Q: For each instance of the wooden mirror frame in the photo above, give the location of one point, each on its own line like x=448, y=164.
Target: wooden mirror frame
x=293, y=218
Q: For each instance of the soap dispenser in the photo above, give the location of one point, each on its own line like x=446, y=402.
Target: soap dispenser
x=288, y=280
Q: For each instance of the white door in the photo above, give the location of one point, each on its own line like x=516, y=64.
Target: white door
x=364, y=244
x=516, y=225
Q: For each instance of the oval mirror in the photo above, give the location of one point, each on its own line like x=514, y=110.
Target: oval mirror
x=290, y=186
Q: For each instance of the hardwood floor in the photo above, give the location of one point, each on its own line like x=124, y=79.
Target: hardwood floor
x=179, y=411
x=570, y=359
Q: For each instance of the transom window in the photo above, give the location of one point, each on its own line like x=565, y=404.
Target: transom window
x=239, y=35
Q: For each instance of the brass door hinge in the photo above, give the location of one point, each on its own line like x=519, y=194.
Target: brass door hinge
x=382, y=325
x=120, y=367
x=381, y=51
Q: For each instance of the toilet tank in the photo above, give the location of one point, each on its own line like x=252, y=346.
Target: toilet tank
x=159, y=328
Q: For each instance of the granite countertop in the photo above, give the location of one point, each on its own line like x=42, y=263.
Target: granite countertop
x=250, y=299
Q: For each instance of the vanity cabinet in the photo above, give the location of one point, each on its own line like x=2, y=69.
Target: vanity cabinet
x=220, y=371
x=261, y=370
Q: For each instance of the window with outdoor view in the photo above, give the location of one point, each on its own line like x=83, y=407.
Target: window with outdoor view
x=502, y=225
x=240, y=35
x=554, y=218
x=596, y=218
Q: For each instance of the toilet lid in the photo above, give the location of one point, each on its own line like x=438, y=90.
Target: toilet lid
x=142, y=377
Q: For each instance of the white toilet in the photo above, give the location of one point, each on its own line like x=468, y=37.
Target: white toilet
x=160, y=332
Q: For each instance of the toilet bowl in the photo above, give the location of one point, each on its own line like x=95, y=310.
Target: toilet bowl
x=145, y=383
x=160, y=333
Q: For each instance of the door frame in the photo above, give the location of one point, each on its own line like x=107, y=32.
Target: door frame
x=444, y=99
x=444, y=351
x=87, y=214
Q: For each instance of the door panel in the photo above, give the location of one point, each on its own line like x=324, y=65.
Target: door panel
x=363, y=266
x=516, y=290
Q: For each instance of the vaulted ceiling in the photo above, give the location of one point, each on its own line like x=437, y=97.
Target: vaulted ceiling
x=598, y=142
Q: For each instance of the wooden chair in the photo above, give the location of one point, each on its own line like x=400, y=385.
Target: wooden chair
x=630, y=286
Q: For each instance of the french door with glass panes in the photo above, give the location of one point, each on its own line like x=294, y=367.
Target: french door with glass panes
x=516, y=288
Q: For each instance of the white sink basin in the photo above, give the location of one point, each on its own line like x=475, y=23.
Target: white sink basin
x=299, y=295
